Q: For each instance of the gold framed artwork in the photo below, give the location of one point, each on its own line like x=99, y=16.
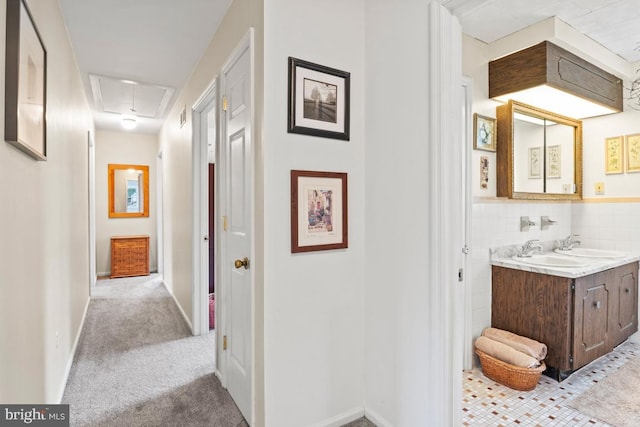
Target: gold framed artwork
x=484, y=133
x=633, y=153
x=614, y=155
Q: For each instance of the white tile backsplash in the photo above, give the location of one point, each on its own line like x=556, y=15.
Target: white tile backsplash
x=497, y=223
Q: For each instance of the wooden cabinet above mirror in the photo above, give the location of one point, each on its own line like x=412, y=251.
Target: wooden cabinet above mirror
x=128, y=191
x=539, y=154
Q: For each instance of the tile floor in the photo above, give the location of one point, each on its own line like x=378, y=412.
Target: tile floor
x=487, y=403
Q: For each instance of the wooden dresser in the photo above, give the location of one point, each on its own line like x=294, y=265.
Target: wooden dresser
x=129, y=256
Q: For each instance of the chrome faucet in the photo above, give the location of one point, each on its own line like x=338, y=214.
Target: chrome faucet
x=529, y=246
x=569, y=242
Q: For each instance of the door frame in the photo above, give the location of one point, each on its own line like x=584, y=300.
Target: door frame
x=466, y=141
x=91, y=142
x=200, y=284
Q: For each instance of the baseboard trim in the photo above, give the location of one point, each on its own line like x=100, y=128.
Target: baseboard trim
x=342, y=419
x=72, y=356
x=184, y=315
x=376, y=419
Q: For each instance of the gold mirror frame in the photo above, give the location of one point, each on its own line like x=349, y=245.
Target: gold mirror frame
x=145, y=190
x=505, y=151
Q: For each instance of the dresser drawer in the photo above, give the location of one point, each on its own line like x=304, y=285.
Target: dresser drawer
x=129, y=256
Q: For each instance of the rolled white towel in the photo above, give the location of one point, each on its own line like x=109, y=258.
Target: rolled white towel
x=505, y=353
x=525, y=345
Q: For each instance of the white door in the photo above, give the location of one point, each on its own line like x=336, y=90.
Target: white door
x=238, y=195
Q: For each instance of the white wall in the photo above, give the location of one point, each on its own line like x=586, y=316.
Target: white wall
x=313, y=308
x=44, y=265
x=130, y=149
x=595, y=131
x=176, y=147
x=407, y=379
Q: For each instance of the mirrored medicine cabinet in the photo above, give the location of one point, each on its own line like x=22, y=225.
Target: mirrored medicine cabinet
x=128, y=191
x=539, y=154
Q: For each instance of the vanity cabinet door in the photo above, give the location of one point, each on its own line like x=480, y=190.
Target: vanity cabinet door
x=625, y=321
x=592, y=305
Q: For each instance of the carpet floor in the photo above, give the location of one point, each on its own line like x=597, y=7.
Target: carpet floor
x=137, y=363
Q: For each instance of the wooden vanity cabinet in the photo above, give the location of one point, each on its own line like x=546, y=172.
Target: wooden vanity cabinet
x=578, y=319
x=129, y=256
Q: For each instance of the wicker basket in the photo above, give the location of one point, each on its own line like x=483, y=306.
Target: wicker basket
x=515, y=377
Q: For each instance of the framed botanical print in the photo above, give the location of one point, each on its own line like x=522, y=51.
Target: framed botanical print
x=614, y=155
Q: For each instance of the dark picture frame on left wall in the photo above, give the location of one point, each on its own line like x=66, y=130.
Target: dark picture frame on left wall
x=25, y=105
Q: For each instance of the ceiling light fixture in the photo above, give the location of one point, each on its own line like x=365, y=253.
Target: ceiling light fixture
x=129, y=121
x=554, y=79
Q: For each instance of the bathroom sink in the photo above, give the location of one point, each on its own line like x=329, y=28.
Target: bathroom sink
x=591, y=253
x=551, y=261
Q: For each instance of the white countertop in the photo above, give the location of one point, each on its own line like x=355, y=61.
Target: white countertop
x=594, y=265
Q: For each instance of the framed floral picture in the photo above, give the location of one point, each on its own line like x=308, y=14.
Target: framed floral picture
x=614, y=155
x=535, y=162
x=633, y=153
x=318, y=211
x=554, y=161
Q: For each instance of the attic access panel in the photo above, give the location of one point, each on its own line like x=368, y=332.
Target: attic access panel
x=119, y=96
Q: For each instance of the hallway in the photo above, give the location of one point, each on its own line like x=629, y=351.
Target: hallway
x=138, y=364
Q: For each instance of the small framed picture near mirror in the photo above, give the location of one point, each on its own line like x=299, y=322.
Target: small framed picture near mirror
x=484, y=133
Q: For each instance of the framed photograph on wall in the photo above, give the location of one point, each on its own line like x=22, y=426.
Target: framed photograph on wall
x=633, y=153
x=614, y=155
x=319, y=100
x=484, y=133
x=25, y=83
x=318, y=211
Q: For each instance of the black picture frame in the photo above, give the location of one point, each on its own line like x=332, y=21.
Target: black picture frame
x=25, y=107
x=319, y=100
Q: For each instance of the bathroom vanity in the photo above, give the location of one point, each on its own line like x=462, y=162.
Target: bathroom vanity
x=580, y=313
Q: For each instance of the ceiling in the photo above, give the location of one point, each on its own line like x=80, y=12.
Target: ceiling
x=138, y=52
x=157, y=43
x=615, y=24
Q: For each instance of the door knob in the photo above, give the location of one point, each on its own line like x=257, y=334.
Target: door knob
x=242, y=263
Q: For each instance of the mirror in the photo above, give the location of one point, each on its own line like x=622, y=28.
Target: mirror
x=539, y=154
x=128, y=191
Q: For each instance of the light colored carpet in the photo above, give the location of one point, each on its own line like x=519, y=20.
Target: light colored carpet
x=616, y=398
x=137, y=363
